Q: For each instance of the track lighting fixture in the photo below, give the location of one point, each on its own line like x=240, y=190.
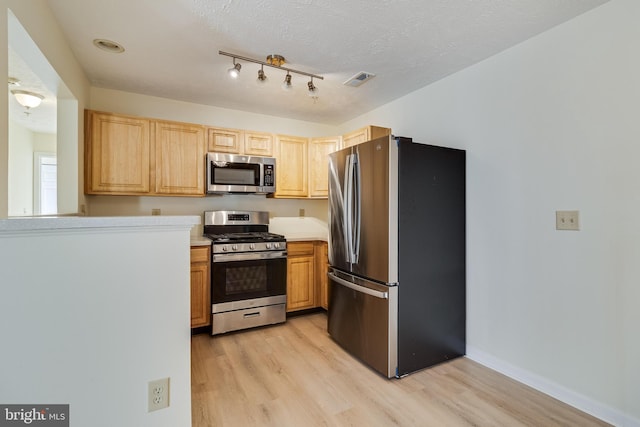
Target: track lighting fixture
x=274, y=61
x=234, y=72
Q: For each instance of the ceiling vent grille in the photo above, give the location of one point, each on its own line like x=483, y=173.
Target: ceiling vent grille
x=359, y=79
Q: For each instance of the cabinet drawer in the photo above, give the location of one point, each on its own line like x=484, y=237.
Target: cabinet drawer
x=199, y=253
x=299, y=248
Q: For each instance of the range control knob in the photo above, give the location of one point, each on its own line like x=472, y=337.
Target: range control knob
x=252, y=246
x=276, y=245
x=234, y=247
x=268, y=245
x=224, y=248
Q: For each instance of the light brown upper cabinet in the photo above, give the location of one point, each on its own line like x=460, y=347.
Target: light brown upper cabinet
x=180, y=151
x=117, y=154
x=363, y=134
x=128, y=155
x=221, y=140
x=319, y=150
x=291, y=166
x=258, y=144
x=235, y=141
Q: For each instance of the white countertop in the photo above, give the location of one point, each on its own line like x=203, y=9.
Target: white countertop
x=29, y=224
x=299, y=228
x=200, y=241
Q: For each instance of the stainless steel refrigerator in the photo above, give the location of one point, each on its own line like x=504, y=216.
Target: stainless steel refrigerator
x=397, y=254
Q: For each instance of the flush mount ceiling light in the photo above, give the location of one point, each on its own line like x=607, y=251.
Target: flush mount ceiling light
x=274, y=61
x=108, y=45
x=27, y=99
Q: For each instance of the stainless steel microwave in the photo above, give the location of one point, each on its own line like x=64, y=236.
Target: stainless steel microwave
x=234, y=173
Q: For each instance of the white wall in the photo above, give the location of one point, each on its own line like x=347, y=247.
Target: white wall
x=62, y=74
x=89, y=317
x=20, y=190
x=22, y=144
x=161, y=108
x=548, y=125
x=168, y=109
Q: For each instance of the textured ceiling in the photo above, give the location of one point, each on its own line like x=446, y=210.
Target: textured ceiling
x=172, y=46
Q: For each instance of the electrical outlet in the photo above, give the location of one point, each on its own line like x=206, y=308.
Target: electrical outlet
x=301, y=212
x=155, y=211
x=568, y=220
x=158, y=394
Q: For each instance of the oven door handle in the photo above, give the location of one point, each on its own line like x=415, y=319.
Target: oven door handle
x=248, y=256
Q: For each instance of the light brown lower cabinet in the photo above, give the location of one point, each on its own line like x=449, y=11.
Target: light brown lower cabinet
x=306, y=275
x=322, y=268
x=200, y=286
x=301, y=290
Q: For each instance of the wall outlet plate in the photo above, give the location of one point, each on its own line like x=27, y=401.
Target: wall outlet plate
x=568, y=220
x=158, y=394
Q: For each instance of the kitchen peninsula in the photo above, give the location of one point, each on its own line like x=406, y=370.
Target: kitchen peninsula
x=102, y=305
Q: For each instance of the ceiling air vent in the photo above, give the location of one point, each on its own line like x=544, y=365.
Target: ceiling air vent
x=359, y=78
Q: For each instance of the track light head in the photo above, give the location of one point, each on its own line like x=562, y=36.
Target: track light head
x=234, y=72
x=286, y=85
x=262, y=77
x=313, y=90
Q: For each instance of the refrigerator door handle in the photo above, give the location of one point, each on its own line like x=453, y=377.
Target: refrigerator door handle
x=358, y=288
x=348, y=207
x=355, y=246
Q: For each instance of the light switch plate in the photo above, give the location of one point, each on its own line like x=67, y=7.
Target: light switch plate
x=568, y=220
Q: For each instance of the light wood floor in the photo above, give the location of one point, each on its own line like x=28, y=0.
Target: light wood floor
x=295, y=375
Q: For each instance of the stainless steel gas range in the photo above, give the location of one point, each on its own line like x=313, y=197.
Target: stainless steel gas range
x=248, y=271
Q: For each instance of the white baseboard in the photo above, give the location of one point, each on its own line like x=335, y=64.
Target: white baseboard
x=570, y=397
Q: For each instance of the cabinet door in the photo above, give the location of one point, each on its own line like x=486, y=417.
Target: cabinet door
x=200, y=287
x=180, y=158
x=221, y=140
x=258, y=144
x=117, y=154
x=319, y=150
x=291, y=166
x=363, y=134
x=355, y=137
x=300, y=276
x=322, y=268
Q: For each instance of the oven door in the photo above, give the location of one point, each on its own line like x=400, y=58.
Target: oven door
x=237, y=277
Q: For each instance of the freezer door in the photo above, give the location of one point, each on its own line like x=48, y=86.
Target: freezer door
x=363, y=320
x=363, y=201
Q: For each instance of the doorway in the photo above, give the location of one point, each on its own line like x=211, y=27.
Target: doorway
x=45, y=184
